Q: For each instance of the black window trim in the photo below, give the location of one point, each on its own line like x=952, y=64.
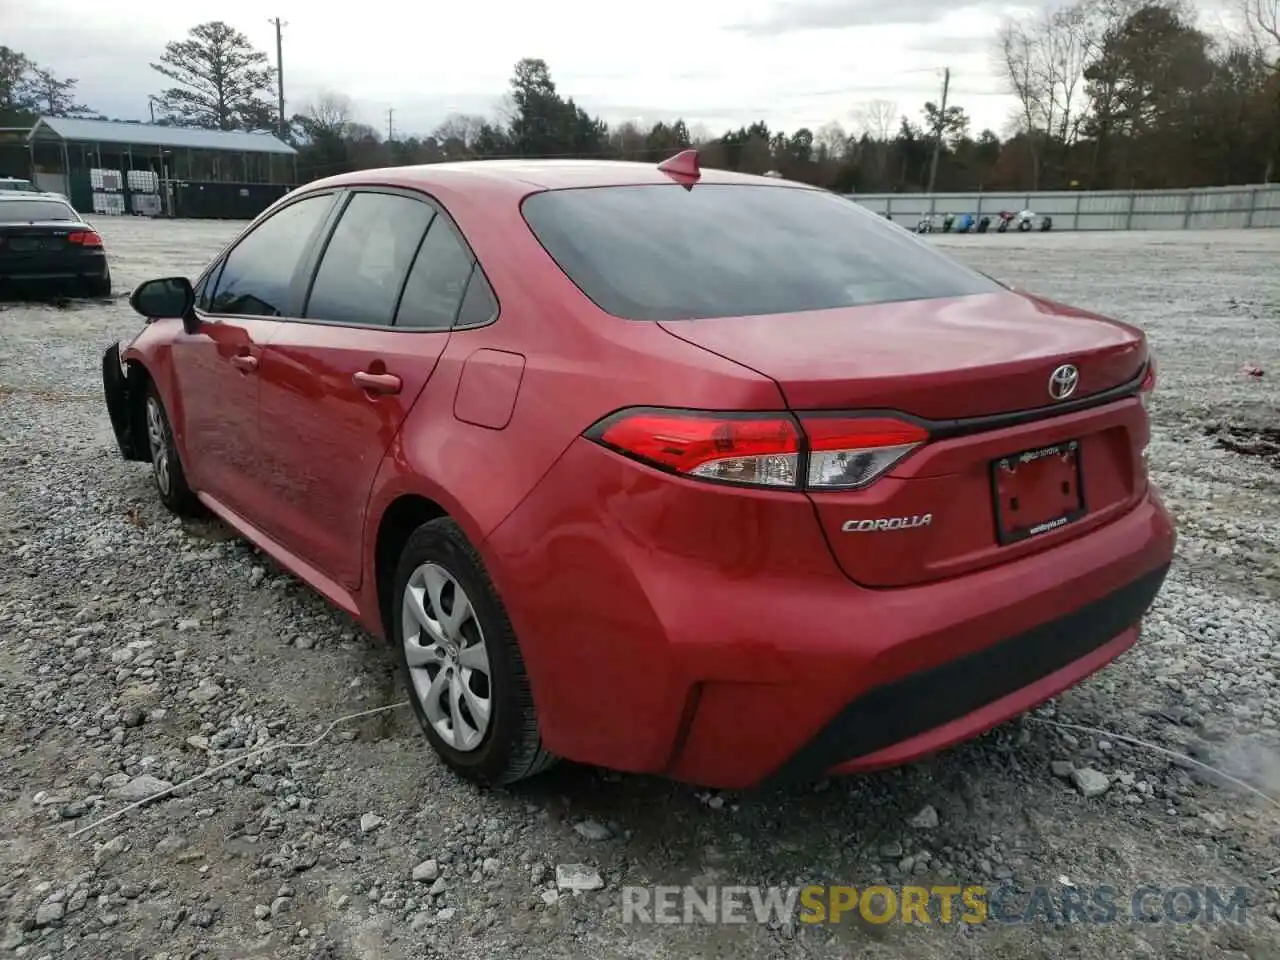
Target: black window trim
x=215, y=270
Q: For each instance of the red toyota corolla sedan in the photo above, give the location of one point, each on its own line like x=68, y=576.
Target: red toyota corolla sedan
x=669, y=470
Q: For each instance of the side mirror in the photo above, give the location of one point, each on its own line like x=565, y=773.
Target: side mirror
x=171, y=298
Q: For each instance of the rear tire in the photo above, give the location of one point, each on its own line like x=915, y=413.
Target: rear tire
x=166, y=466
x=460, y=662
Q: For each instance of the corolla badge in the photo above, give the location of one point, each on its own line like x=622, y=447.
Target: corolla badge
x=887, y=523
x=1063, y=381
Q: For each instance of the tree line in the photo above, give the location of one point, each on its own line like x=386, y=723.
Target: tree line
x=1111, y=94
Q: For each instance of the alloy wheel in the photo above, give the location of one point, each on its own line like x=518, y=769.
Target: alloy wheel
x=444, y=647
x=158, y=440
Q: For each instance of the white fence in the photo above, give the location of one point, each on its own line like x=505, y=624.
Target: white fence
x=1207, y=208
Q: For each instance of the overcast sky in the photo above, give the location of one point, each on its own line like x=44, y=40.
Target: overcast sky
x=718, y=62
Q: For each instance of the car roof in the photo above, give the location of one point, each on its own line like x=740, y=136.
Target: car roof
x=520, y=177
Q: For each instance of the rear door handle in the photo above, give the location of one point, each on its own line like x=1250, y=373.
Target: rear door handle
x=245, y=362
x=376, y=382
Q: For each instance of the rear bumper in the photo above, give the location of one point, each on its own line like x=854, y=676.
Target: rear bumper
x=935, y=708
x=648, y=651
x=119, y=389
x=54, y=268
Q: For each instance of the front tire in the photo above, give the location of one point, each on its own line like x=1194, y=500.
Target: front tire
x=166, y=466
x=460, y=662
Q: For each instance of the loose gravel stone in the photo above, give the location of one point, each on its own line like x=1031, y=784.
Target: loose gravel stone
x=426, y=872
x=1090, y=782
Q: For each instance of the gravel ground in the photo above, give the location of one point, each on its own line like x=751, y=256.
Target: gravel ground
x=136, y=651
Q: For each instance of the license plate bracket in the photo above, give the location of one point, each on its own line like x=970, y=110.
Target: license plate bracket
x=1038, y=491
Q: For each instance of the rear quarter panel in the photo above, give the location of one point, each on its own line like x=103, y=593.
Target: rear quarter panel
x=579, y=365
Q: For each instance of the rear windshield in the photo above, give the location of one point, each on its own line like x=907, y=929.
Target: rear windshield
x=28, y=211
x=661, y=252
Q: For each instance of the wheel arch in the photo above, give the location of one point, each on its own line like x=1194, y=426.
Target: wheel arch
x=398, y=520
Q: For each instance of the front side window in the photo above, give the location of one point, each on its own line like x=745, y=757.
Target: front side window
x=367, y=259
x=661, y=252
x=257, y=276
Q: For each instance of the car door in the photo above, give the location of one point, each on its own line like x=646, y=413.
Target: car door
x=337, y=384
x=240, y=303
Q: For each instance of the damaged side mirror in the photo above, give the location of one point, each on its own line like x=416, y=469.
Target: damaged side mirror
x=170, y=298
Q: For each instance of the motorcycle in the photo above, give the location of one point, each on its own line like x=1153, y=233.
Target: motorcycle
x=948, y=222
x=983, y=224
x=925, y=225
x=1005, y=217
x=1046, y=224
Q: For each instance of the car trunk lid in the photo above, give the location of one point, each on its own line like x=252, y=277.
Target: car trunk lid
x=1010, y=468
x=939, y=359
x=22, y=239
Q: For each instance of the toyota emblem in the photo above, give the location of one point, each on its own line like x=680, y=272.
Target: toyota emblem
x=1063, y=381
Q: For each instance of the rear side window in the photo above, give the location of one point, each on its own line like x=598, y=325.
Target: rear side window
x=478, y=304
x=257, y=276
x=31, y=211
x=661, y=252
x=437, y=281
x=367, y=259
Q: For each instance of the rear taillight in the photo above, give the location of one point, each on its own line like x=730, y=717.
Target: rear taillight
x=85, y=238
x=818, y=452
x=850, y=452
x=760, y=450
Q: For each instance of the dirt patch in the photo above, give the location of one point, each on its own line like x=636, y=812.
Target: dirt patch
x=1260, y=442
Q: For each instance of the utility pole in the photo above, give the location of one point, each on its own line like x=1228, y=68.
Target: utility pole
x=940, y=126
x=391, y=112
x=280, y=25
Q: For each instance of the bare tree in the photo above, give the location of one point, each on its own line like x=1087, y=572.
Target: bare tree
x=1262, y=26
x=332, y=110
x=876, y=119
x=1018, y=61
x=330, y=115
x=1073, y=38
x=832, y=140
x=463, y=127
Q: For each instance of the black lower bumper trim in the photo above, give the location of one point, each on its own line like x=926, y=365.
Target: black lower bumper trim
x=923, y=701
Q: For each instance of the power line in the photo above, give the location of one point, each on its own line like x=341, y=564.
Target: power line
x=280, y=25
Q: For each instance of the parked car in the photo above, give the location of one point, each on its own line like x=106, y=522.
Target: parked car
x=688, y=472
x=44, y=243
x=17, y=185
